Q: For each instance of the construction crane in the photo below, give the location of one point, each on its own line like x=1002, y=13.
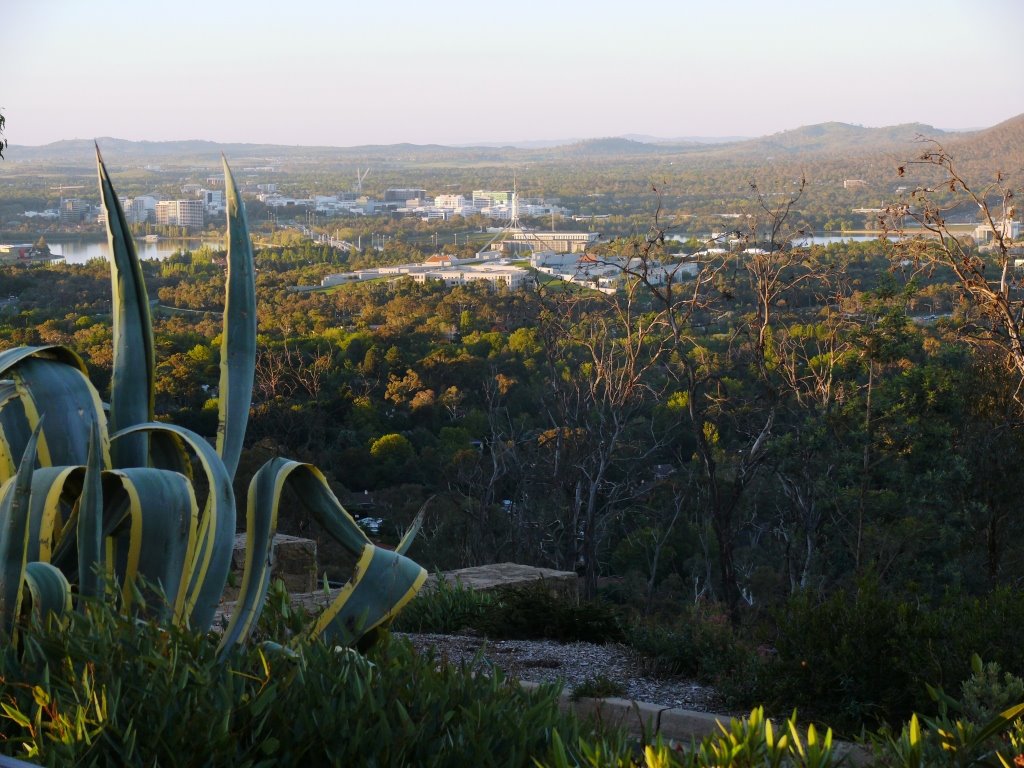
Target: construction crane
x=360, y=175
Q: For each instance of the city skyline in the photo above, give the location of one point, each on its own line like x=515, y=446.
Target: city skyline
x=312, y=73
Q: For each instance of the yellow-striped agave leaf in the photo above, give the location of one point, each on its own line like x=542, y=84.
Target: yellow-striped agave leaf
x=13, y=428
x=238, y=341
x=216, y=529
x=383, y=582
x=14, y=514
x=49, y=381
x=158, y=540
x=132, y=382
x=55, y=490
x=260, y=525
x=48, y=590
x=166, y=451
x=89, y=529
x=311, y=487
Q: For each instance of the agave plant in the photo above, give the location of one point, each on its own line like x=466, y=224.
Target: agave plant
x=98, y=504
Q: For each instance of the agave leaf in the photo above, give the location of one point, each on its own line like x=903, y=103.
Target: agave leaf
x=260, y=526
x=14, y=431
x=54, y=491
x=14, y=514
x=13, y=356
x=89, y=532
x=383, y=581
x=162, y=517
x=166, y=451
x=414, y=528
x=312, y=489
x=7, y=391
x=49, y=590
x=132, y=383
x=216, y=529
x=43, y=381
x=382, y=584
x=238, y=341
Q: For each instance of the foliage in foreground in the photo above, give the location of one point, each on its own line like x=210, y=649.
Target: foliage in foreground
x=755, y=742
x=105, y=690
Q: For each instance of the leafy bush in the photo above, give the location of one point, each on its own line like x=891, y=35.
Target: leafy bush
x=867, y=657
x=985, y=693
x=446, y=608
x=107, y=690
x=536, y=612
x=700, y=644
x=532, y=612
x=598, y=687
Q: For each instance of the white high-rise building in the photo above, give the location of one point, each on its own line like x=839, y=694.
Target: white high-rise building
x=180, y=213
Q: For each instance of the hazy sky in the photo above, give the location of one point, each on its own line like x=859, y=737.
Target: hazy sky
x=348, y=72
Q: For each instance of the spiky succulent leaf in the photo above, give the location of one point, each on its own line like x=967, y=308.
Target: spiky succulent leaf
x=260, y=525
x=414, y=528
x=158, y=539
x=166, y=451
x=89, y=530
x=14, y=527
x=48, y=381
x=11, y=357
x=312, y=489
x=49, y=590
x=132, y=382
x=14, y=429
x=238, y=341
x=383, y=582
x=54, y=492
x=216, y=530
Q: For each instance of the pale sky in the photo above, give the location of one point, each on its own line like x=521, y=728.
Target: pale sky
x=350, y=72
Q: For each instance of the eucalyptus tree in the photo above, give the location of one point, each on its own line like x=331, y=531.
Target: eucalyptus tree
x=986, y=275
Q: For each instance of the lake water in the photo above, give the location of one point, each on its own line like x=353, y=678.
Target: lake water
x=829, y=239
x=79, y=251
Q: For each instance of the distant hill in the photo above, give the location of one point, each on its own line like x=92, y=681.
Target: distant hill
x=851, y=149
x=647, y=139
x=1000, y=148
x=616, y=147
x=838, y=138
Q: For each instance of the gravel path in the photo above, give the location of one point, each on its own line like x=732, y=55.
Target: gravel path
x=572, y=663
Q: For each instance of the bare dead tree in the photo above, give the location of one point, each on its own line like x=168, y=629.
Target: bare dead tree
x=601, y=353
x=985, y=274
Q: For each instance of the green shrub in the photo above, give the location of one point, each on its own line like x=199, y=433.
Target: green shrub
x=535, y=612
x=867, y=657
x=702, y=644
x=445, y=608
x=598, y=687
x=521, y=613
x=854, y=658
x=986, y=693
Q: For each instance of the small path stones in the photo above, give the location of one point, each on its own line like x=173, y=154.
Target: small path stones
x=544, y=661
